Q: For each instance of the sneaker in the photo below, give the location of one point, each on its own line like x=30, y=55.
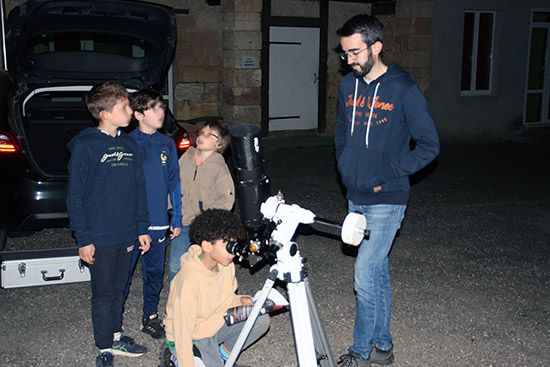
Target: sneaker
x=153, y=326
x=381, y=357
x=127, y=346
x=353, y=360
x=104, y=359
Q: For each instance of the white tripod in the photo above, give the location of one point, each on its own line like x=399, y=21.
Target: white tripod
x=312, y=348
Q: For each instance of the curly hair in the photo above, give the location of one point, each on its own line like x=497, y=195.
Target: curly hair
x=141, y=100
x=216, y=224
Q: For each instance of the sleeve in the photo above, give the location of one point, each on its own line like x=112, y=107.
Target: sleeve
x=79, y=171
x=175, y=200
x=184, y=318
x=142, y=215
x=422, y=130
x=174, y=185
x=340, y=129
x=224, y=189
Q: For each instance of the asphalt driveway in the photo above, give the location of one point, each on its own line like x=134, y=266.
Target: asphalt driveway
x=470, y=268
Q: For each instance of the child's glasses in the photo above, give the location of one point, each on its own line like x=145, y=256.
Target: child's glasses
x=208, y=134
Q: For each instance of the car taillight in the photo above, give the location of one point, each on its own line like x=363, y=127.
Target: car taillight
x=184, y=142
x=8, y=143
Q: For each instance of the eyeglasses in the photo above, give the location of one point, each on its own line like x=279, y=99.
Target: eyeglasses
x=157, y=106
x=208, y=134
x=353, y=54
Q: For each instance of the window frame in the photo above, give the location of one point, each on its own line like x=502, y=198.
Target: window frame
x=472, y=91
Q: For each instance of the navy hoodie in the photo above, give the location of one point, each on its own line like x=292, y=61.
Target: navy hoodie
x=162, y=177
x=106, y=198
x=375, y=124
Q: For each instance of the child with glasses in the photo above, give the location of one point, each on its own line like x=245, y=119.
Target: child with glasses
x=206, y=183
x=162, y=179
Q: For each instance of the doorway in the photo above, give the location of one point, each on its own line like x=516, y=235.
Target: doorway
x=293, y=78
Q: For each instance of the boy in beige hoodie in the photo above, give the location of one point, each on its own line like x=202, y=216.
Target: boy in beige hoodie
x=206, y=183
x=203, y=291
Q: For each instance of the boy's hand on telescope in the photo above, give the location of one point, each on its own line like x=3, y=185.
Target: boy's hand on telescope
x=174, y=232
x=144, y=243
x=86, y=253
x=247, y=301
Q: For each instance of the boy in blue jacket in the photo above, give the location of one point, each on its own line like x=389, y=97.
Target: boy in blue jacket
x=106, y=202
x=162, y=178
x=380, y=109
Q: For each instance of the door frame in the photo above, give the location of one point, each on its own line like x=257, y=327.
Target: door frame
x=545, y=110
x=321, y=23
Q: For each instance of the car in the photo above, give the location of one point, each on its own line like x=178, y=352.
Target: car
x=56, y=51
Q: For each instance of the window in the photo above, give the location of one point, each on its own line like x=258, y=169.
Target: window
x=88, y=42
x=477, y=52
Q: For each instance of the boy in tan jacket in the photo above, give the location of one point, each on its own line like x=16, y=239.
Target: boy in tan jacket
x=203, y=291
x=206, y=183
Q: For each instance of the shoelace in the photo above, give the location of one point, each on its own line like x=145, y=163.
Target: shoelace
x=347, y=360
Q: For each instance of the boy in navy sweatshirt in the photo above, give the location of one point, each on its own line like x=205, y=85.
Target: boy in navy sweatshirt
x=162, y=178
x=106, y=202
x=380, y=109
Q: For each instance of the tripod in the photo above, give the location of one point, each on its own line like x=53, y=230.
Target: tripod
x=312, y=346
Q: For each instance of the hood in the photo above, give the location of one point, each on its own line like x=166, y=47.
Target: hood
x=68, y=42
x=90, y=132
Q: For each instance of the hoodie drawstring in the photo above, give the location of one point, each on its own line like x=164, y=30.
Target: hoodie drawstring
x=370, y=114
x=354, y=106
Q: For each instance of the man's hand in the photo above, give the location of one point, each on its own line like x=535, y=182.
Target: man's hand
x=86, y=253
x=247, y=301
x=144, y=243
x=174, y=232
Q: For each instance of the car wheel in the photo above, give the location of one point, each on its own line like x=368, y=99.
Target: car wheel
x=3, y=238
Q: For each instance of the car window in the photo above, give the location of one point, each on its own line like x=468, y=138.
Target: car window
x=88, y=42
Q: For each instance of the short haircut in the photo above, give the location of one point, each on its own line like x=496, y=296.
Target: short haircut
x=104, y=96
x=216, y=224
x=223, y=133
x=370, y=28
x=141, y=100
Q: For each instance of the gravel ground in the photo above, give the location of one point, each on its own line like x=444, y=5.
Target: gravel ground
x=470, y=269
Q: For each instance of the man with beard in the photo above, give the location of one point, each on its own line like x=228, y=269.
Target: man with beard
x=380, y=109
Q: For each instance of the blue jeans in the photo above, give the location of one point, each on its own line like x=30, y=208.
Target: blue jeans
x=152, y=263
x=372, y=277
x=178, y=247
x=109, y=276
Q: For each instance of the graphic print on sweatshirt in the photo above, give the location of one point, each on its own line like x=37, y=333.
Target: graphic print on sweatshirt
x=363, y=107
x=117, y=157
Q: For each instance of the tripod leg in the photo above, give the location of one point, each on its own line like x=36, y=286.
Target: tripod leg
x=251, y=320
x=319, y=335
x=301, y=322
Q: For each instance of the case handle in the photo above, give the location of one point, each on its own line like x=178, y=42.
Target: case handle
x=49, y=279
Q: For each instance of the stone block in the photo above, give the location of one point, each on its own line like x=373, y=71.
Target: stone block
x=202, y=38
x=246, y=78
x=422, y=26
x=404, y=8
x=248, y=40
x=403, y=26
x=211, y=93
x=199, y=73
x=423, y=8
x=235, y=115
x=189, y=91
x=228, y=6
x=242, y=96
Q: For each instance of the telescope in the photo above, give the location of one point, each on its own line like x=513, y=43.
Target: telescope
x=268, y=220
